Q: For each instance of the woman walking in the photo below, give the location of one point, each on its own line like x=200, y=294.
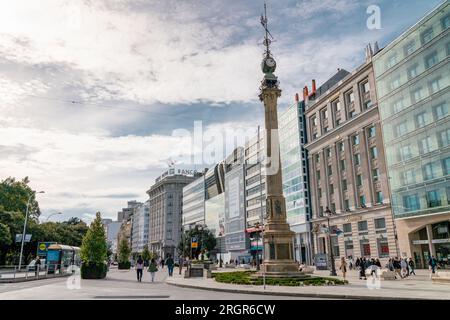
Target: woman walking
x=139, y=268
x=153, y=268
x=343, y=267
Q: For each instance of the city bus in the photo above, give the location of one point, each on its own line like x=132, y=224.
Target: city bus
x=60, y=257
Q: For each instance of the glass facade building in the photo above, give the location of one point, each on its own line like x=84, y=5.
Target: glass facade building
x=293, y=155
x=194, y=204
x=412, y=77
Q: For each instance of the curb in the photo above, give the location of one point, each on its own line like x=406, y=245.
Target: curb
x=296, y=294
x=16, y=280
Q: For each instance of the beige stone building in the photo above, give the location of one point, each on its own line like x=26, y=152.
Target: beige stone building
x=347, y=168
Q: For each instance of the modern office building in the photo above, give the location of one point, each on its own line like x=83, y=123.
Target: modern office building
x=347, y=170
x=194, y=204
x=112, y=232
x=127, y=212
x=166, y=200
x=294, y=165
x=140, y=228
x=412, y=80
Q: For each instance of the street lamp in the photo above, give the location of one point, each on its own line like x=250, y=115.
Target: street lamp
x=25, y=226
x=55, y=213
x=333, y=268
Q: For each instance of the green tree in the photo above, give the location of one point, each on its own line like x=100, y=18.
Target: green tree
x=94, y=247
x=146, y=255
x=124, y=251
x=5, y=234
x=14, y=197
x=206, y=241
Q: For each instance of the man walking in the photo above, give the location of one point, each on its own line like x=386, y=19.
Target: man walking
x=170, y=263
x=433, y=263
x=139, y=268
x=180, y=264
x=411, y=267
x=37, y=266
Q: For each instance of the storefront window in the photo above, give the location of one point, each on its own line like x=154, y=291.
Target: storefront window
x=335, y=246
x=349, y=248
x=441, y=230
x=365, y=248
x=383, y=247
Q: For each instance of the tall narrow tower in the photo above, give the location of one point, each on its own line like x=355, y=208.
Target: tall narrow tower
x=278, y=237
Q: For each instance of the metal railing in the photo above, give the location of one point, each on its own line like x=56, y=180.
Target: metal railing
x=12, y=273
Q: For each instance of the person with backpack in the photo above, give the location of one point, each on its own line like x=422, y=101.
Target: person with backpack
x=152, y=268
x=139, y=267
x=170, y=263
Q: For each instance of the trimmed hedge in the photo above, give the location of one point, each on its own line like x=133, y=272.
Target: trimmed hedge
x=93, y=271
x=124, y=265
x=244, y=277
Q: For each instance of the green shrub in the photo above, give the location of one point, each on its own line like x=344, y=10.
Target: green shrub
x=93, y=270
x=124, y=265
x=244, y=277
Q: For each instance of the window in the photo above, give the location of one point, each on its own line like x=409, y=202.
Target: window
x=347, y=204
x=371, y=131
x=365, y=87
x=405, y=152
x=314, y=121
x=376, y=174
x=411, y=202
x=362, y=201
x=383, y=248
x=350, y=97
x=335, y=245
x=341, y=146
x=417, y=94
x=395, y=83
x=433, y=199
x=444, y=138
x=318, y=174
x=347, y=228
x=421, y=120
x=332, y=192
x=409, y=177
x=362, y=226
x=359, y=180
x=431, y=60
x=328, y=152
x=409, y=48
x=379, y=197
x=355, y=140
x=319, y=192
x=373, y=153
x=344, y=185
x=368, y=104
x=336, y=105
x=325, y=129
x=357, y=158
x=324, y=114
x=441, y=111
x=338, y=122
x=330, y=171
x=401, y=129
x=342, y=164
x=391, y=61
x=317, y=158
x=425, y=145
x=413, y=71
x=380, y=223
x=398, y=105
x=429, y=171
x=446, y=166
x=427, y=35
x=352, y=114
x=446, y=22
x=434, y=85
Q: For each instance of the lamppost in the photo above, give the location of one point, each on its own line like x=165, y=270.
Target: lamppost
x=25, y=226
x=55, y=213
x=333, y=268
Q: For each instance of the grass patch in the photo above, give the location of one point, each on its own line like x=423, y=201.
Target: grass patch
x=244, y=277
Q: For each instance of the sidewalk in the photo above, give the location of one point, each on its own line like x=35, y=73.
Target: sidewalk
x=414, y=287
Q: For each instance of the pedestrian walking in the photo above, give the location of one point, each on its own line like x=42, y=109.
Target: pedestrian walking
x=139, y=267
x=343, y=267
x=403, y=266
x=411, y=266
x=37, y=266
x=152, y=268
x=433, y=263
x=362, y=269
x=162, y=263
x=170, y=263
x=378, y=263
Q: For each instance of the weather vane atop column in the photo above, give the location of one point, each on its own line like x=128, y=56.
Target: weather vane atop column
x=268, y=64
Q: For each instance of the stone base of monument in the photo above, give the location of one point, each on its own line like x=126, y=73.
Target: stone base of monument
x=280, y=270
x=441, y=277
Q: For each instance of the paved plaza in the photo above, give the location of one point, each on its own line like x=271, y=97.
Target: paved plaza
x=117, y=285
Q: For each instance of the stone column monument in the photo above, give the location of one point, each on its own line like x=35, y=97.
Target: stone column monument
x=278, y=237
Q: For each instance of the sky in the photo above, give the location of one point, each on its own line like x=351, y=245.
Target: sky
x=97, y=97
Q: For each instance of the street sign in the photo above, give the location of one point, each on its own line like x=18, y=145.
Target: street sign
x=19, y=237
x=42, y=248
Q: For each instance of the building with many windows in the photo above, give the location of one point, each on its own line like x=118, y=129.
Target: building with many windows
x=194, y=204
x=347, y=170
x=412, y=76
x=140, y=227
x=166, y=200
x=294, y=166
